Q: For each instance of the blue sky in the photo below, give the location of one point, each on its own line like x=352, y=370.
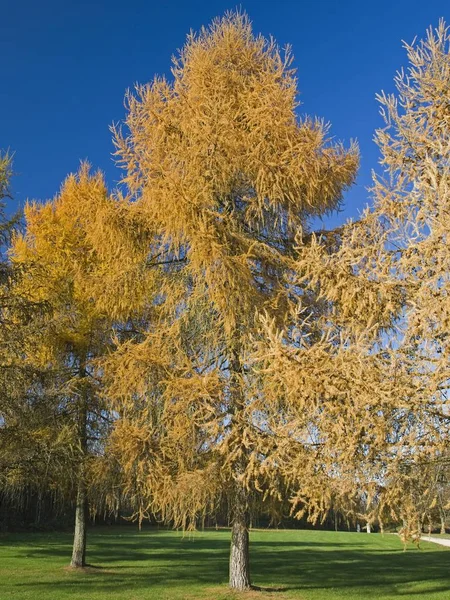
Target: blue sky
x=66, y=65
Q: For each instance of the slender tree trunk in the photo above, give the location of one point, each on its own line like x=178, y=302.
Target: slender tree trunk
x=442, y=524
x=239, y=551
x=79, y=538
x=4, y=514
x=38, y=513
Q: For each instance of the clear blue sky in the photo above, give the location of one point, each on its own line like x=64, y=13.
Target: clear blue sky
x=65, y=66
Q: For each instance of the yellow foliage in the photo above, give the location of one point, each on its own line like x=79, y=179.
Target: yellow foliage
x=221, y=169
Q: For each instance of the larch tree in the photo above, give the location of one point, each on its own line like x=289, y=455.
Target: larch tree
x=74, y=255
x=22, y=439
x=387, y=284
x=6, y=225
x=5, y=324
x=224, y=172
x=412, y=204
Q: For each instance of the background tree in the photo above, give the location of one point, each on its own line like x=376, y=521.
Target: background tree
x=226, y=175
x=24, y=441
x=73, y=257
x=387, y=284
x=412, y=203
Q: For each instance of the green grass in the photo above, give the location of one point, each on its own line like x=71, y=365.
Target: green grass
x=164, y=565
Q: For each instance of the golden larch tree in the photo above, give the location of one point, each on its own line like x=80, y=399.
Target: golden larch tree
x=224, y=172
x=412, y=202
x=78, y=251
x=386, y=284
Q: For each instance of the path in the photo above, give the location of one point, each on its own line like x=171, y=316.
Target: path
x=436, y=540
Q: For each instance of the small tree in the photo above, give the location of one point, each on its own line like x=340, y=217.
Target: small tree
x=24, y=440
x=73, y=257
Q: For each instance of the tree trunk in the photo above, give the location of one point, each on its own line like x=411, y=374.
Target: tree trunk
x=38, y=512
x=442, y=525
x=79, y=538
x=239, y=552
x=4, y=514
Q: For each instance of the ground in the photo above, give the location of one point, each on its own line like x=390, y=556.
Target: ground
x=164, y=565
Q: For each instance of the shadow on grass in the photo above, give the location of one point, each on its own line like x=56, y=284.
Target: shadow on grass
x=131, y=561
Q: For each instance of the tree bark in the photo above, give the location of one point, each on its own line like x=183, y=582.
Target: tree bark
x=239, y=552
x=442, y=525
x=79, y=538
x=38, y=512
x=4, y=514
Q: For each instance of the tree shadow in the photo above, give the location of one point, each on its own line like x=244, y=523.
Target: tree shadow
x=120, y=561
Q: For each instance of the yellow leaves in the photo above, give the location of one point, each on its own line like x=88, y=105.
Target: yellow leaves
x=85, y=247
x=218, y=159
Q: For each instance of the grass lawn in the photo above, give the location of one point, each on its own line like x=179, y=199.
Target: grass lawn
x=164, y=565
